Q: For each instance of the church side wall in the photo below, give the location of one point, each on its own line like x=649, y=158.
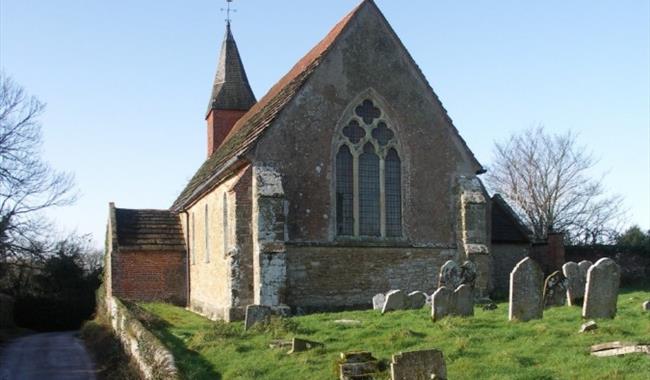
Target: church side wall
x=330, y=278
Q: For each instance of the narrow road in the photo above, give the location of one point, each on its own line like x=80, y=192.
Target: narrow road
x=52, y=356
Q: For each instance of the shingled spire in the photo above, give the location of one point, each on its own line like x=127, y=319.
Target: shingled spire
x=231, y=94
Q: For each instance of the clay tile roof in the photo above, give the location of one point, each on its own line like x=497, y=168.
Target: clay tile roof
x=247, y=129
x=231, y=90
x=148, y=230
x=506, y=225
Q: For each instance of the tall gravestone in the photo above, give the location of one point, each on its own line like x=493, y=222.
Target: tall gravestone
x=395, y=300
x=442, y=303
x=583, y=267
x=464, y=301
x=555, y=289
x=601, y=294
x=575, y=291
x=526, y=298
x=450, y=275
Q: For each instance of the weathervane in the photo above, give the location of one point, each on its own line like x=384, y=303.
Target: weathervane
x=228, y=10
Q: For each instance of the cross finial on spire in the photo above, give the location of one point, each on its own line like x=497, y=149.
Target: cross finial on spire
x=228, y=10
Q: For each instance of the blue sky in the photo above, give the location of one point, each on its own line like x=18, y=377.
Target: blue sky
x=127, y=82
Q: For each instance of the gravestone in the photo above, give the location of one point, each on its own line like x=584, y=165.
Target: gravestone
x=555, y=289
x=256, y=314
x=601, y=294
x=646, y=306
x=418, y=365
x=468, y=273
x=300, y=345
x=395, y=300
x=442, y=303
x=575, y=291
x=526, y=298
x=463, y=301
x=358, y=366
x=584, y=266
x=416, y=299
x=378, y=301
x=450, y=275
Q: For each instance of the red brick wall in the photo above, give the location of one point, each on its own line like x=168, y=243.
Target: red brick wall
x=150, y=276
x=220, y=122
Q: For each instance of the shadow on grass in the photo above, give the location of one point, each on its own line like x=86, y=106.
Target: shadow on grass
x=190, y=363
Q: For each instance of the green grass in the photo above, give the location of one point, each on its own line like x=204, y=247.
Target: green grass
x=485, y=346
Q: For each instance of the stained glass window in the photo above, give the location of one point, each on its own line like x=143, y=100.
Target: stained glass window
x=344, y=192
x=367, y=111
x=382, y=134
x=369, y=220
x=393, y=192
x=354, y=132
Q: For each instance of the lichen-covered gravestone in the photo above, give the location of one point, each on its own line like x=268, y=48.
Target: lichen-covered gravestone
x=575, y=291
x=463, y=301
x=555, y=288
x=358, y=365
x=584, y=266
x=526, y=299
x=256, y=314
x=418, y=365
x=395, y=300
x=603, y=280
x=468, y=273
x=416, y=299
x=442, y=303
x=450, y=275
x=378, y=301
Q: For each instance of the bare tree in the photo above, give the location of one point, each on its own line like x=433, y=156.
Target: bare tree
x=28, y=185
x=546, y=178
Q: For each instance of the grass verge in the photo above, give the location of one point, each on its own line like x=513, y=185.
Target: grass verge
x=485, y=346
x=111, y=361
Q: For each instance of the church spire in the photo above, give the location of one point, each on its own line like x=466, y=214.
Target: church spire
x=231, y=90
x=231, y=94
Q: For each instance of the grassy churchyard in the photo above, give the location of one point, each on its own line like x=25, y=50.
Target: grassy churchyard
x=485, y=346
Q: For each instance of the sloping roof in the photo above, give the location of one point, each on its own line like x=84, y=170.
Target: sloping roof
x=231, y=90
x=247, y=129
x=245, y=132
x=148, y=230
x=506, y=225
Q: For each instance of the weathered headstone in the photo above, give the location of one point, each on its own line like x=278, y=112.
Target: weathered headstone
x=418, y=365
x=463, y=301
x=450, y=275
x=646, y=306
x=584, y=266
x=555, y=288
x=526, y=299
x=416, y=299
x=601, y=294
x=575, y=291
x=468, y=273
x=395, y=300
x=358, y=366
x=256, y=314
x=300, y=345
x=378, y=301
x=442, y=303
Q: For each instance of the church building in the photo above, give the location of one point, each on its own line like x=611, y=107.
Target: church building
x=347, y=179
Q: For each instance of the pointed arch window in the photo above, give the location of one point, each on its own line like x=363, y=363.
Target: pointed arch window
x=368, y=176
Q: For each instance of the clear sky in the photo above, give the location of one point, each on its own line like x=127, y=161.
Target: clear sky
x=127, y=82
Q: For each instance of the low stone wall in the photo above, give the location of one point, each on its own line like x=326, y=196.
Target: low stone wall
x=635, y=265
x=6, y=311
x=151, y=356
x=332, y=277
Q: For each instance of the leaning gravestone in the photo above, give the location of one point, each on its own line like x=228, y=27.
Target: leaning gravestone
x=418, y=365
x=468, y=273
x=555, y=289
x=416, y=299
x=378, y=301
x=526, y=299
x=575, y=291
x=442, y=303
x=256, y=314
x=603, y=280
x=395, y=300
x=463, y=301
x=450, y=275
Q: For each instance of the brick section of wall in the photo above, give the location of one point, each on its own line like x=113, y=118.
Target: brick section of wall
x=220, y=122
x=635, y=265
x=331, y=278
x=150, y=276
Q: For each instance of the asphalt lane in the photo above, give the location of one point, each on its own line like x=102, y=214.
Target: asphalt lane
x=52, y=356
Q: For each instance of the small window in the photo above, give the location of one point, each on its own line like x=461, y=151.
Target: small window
x=225, y=225
x=344, y=190
x=393, y=194
x=206, y=232
x=193, y=240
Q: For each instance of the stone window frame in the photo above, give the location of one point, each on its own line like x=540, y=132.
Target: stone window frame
x=206, y=229
x=224, y=215
x=193, y=239
x=356, y=149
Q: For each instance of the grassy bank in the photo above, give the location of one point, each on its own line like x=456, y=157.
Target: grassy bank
x=483, y=347
x=111, y=361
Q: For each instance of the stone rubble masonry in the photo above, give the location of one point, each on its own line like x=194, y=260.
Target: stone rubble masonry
x=601, y=294
x=269, y=235
x=526, y=285
x=419, y=365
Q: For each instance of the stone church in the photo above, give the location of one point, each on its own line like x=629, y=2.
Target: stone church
x=347, y=179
